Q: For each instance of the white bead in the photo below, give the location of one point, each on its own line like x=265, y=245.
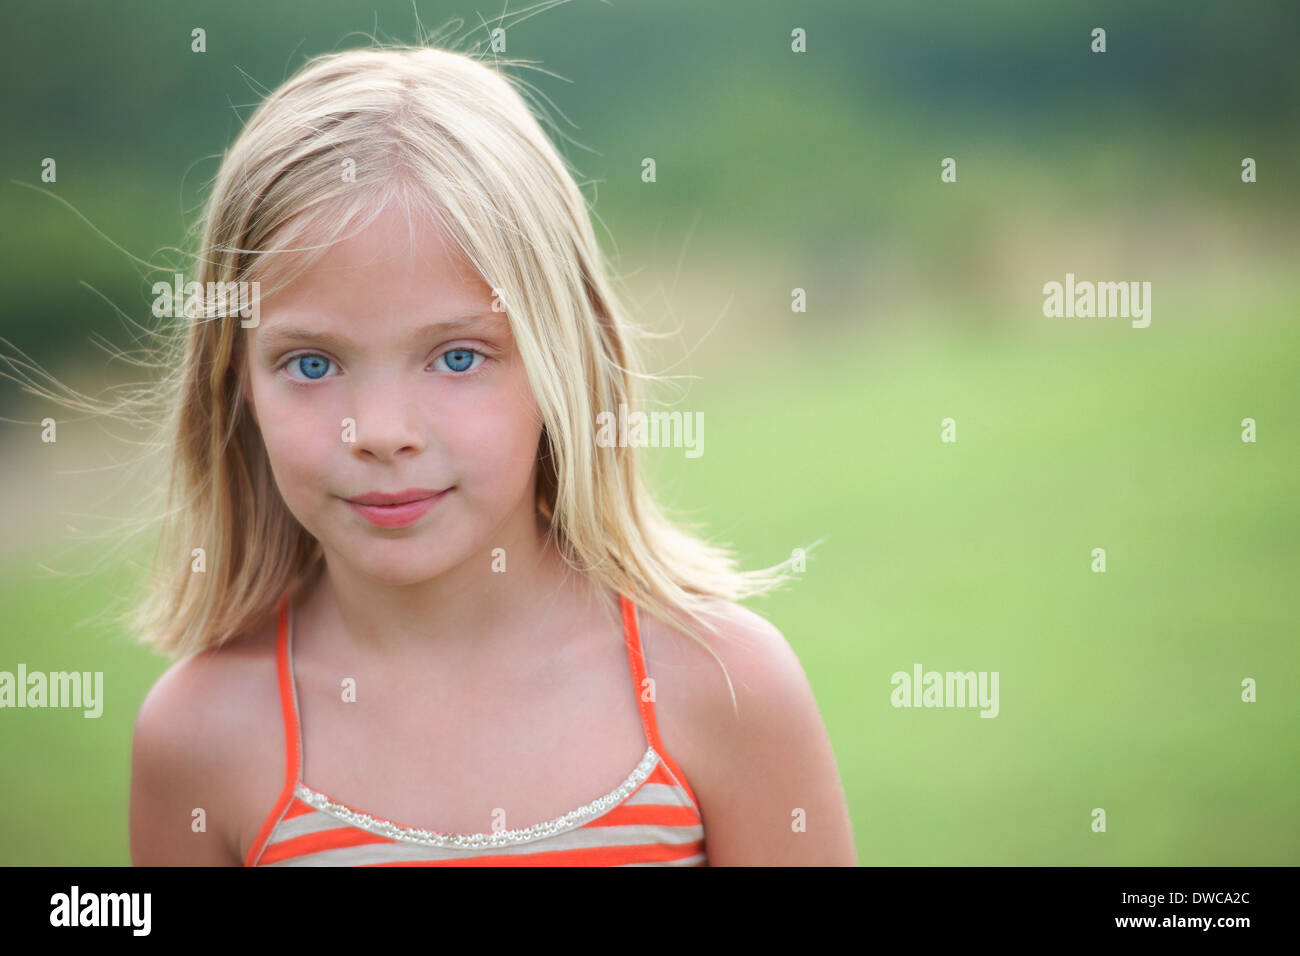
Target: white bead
x=405, y=834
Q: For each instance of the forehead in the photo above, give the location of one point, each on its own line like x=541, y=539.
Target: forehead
x=332, y=331
x=396, y=265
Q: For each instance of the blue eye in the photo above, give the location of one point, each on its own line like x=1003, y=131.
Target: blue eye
x=313, y=366
x=460, y=360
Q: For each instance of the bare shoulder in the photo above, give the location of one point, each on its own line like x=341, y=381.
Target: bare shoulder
x=756, y=654
x=200, y=738
x=763, y=771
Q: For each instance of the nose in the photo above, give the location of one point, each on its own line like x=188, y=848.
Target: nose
x=388, y=420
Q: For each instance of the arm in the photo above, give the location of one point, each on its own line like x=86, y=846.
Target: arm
x=174, y=771
x=771, y=767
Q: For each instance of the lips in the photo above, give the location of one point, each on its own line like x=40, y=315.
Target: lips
x=402, y=508
x=396, y=497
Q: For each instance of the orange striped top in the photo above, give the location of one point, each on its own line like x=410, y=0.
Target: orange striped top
x=651, y=819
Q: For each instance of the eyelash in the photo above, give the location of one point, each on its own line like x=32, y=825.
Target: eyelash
x=473, y=370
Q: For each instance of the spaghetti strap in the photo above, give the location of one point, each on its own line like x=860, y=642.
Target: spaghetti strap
x=288, y=694
x=644, y=688
x=292, y=734
x=651, y=819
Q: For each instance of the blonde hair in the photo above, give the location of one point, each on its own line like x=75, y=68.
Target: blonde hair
x=443, y=134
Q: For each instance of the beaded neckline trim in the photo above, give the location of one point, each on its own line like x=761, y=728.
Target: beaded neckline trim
x=406, y=834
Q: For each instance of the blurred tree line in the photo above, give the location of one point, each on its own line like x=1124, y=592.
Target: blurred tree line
x=805, y=151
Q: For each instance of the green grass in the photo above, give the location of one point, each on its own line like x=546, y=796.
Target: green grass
x=66, y=776
x=1118, y=690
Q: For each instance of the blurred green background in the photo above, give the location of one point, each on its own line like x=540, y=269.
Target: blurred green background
x=778, y=171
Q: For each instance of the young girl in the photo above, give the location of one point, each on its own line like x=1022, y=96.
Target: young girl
x=424, y=615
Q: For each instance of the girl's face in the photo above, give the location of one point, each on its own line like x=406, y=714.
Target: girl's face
x=360, y=384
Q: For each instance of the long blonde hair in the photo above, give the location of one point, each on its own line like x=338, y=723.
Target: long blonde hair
x=448, y=135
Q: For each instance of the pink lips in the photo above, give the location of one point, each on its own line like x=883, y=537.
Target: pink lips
x=396, y=515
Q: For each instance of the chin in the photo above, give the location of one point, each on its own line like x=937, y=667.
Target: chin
x=400, y=565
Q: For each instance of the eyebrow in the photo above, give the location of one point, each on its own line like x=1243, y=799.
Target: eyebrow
x=278, y=336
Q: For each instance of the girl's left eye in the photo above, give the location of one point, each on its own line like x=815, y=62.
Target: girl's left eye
x=460, y=360
x=314, y=366
x=311, y=365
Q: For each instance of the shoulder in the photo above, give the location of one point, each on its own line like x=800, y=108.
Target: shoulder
x=199, y=736
x=758, y=658
x=763, y=771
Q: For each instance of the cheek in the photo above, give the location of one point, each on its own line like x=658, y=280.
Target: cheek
x=297, y=446
x=497, y=436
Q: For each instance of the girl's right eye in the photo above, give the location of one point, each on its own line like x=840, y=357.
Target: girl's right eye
x=312, y=365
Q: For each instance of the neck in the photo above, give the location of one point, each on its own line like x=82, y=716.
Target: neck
x=469, y=612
